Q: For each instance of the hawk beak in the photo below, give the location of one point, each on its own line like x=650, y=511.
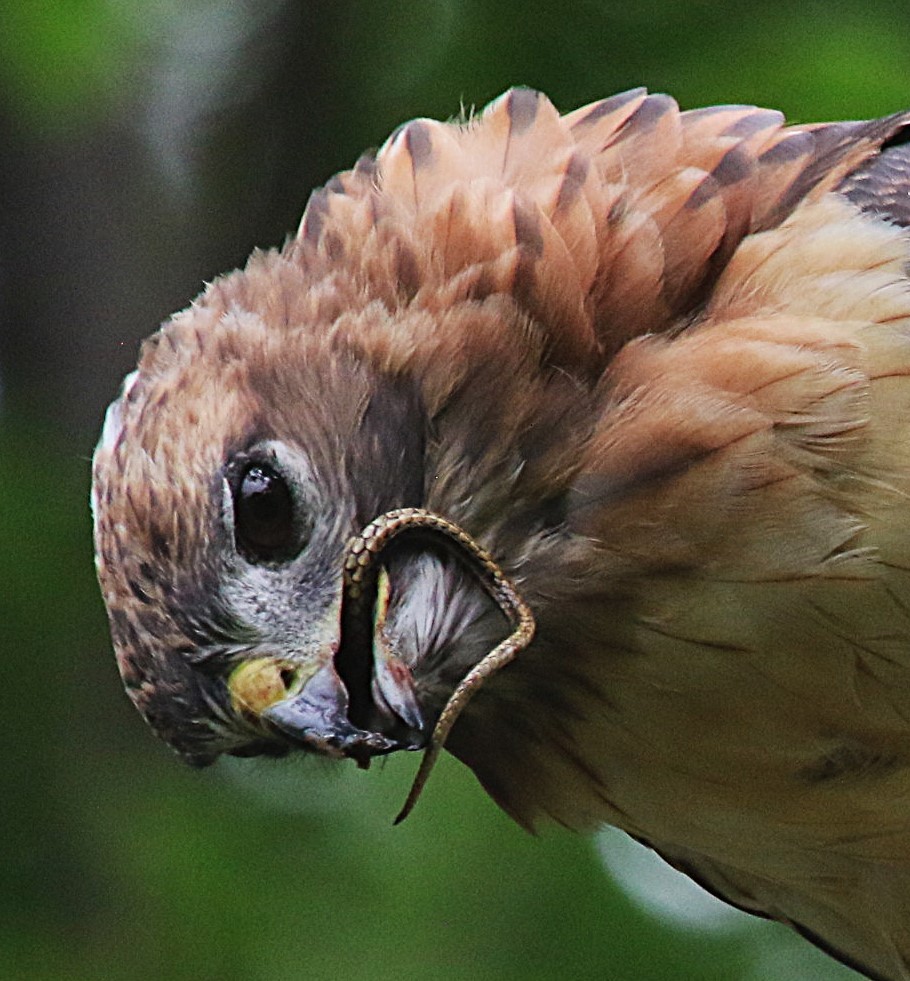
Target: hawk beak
x=317, y=718
x=358, y=703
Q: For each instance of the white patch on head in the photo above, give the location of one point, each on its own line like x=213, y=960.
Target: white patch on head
x=110, y=433
x=113, y=418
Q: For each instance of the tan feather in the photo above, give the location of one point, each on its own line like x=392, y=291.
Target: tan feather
x=659, y=363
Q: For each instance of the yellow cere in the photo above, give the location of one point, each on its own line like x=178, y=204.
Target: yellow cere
x=257, y=684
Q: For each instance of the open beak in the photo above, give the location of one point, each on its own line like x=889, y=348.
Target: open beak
x=317, y=718
x=359, y=703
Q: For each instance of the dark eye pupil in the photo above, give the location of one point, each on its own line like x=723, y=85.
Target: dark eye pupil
x=264, y=514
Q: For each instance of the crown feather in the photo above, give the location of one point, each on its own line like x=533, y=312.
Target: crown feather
x=599, y=226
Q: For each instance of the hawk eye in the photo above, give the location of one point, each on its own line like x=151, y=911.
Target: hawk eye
x=266, y=528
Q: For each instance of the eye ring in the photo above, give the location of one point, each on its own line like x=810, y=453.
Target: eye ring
x=268, y=525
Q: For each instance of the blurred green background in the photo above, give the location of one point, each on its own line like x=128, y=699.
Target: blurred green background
x=144, y=148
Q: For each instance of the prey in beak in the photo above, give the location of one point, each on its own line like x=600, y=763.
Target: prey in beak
x=362, y=702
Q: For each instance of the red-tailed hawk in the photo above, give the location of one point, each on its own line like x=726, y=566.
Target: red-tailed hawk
x=638, y=376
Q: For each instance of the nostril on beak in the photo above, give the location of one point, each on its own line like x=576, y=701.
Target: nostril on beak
x=260, y=682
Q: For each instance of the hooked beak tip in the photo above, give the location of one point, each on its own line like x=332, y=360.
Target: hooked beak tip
x=317, y=718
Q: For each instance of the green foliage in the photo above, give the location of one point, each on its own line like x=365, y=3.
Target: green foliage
x=60, y=58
